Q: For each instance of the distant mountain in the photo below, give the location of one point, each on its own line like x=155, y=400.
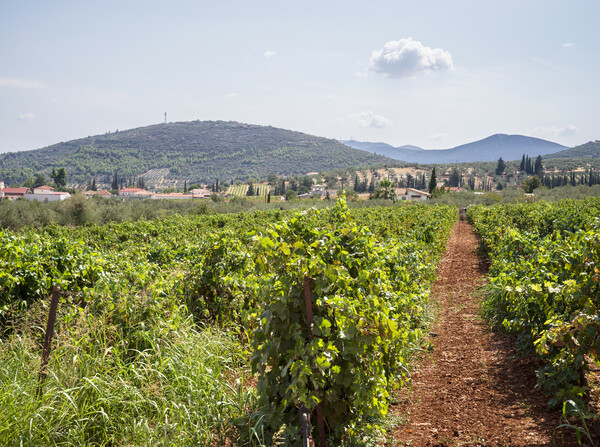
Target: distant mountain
x=410, y=147
x=195, y=151
x=590, y=149
x=509, y=147
x=384, y=149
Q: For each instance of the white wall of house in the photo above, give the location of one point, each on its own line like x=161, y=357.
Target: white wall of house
x=50, y=197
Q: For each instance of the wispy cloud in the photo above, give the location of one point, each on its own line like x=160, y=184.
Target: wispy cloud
x=269, y=53
x=553, y=67
x=552, y=132
x=372, y=120
x=26, y=116
x=567, y=44
x=231, y=95
x=21, y=83
x=406, y=58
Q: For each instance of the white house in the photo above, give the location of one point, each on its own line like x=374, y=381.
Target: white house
x=412, y=194
x=1, y=185
x=172, y=196
x=200, y=193
x=317, y=190
x=99, y=193
x=50, y=196
x=45, y=189
x=129, y=192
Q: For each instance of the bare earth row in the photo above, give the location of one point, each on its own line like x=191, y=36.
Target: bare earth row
x=471, y=389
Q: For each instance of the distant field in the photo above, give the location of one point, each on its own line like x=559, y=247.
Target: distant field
x=241, y=190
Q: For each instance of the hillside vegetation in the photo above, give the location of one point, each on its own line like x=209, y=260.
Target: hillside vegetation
x=590, y=149
x=198, y=151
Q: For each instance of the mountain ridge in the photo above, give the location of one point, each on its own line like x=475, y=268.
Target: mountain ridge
x=509, y=147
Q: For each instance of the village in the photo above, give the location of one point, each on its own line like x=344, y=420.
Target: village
x=47, y=193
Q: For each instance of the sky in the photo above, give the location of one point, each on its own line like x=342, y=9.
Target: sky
x=435, y=74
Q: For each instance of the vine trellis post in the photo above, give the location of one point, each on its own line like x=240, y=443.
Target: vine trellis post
x=309, y=318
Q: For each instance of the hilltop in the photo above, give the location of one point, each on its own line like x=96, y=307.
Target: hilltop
x=196, y=151
x=509, y=147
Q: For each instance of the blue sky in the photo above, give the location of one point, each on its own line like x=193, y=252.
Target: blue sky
x=430, y=73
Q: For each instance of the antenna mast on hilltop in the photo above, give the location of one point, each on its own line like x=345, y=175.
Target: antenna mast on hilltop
x=165, y=117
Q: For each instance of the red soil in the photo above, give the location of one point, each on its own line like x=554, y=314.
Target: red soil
x=471, y=390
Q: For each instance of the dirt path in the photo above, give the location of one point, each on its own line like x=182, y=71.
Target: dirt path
x=470, y=390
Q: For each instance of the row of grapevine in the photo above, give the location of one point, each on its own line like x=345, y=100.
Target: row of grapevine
x=238, y=190
x=544, y=285
x=260, y=189
x=370, y=271
x=369, y=294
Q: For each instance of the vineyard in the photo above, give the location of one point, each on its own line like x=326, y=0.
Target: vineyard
x=260, y=189
x=193, y=330
x=544, y=286
x=225, y=329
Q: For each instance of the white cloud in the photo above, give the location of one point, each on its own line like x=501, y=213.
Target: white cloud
x=567, y=44
x=566, y=131
x=231, y=95
x=26, y=116
x=407, y=58
x=370, y=119
x=268, y=53
x=21, y=83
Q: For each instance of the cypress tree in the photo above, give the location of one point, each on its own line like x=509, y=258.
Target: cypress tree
x=538, y=166
x=500, y=167
x=432, y=181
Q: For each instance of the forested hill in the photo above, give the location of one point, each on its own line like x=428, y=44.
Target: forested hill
x=590, y=149
x=195, y=151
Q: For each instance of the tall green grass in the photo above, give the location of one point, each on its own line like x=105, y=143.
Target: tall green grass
x=160, y=382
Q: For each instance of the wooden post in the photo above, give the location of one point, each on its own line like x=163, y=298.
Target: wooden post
x=48, y=339
x=309, y=317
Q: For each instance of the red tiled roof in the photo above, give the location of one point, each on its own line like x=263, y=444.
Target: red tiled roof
x=131, y=189
x=44, y=187
x=20, y=190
